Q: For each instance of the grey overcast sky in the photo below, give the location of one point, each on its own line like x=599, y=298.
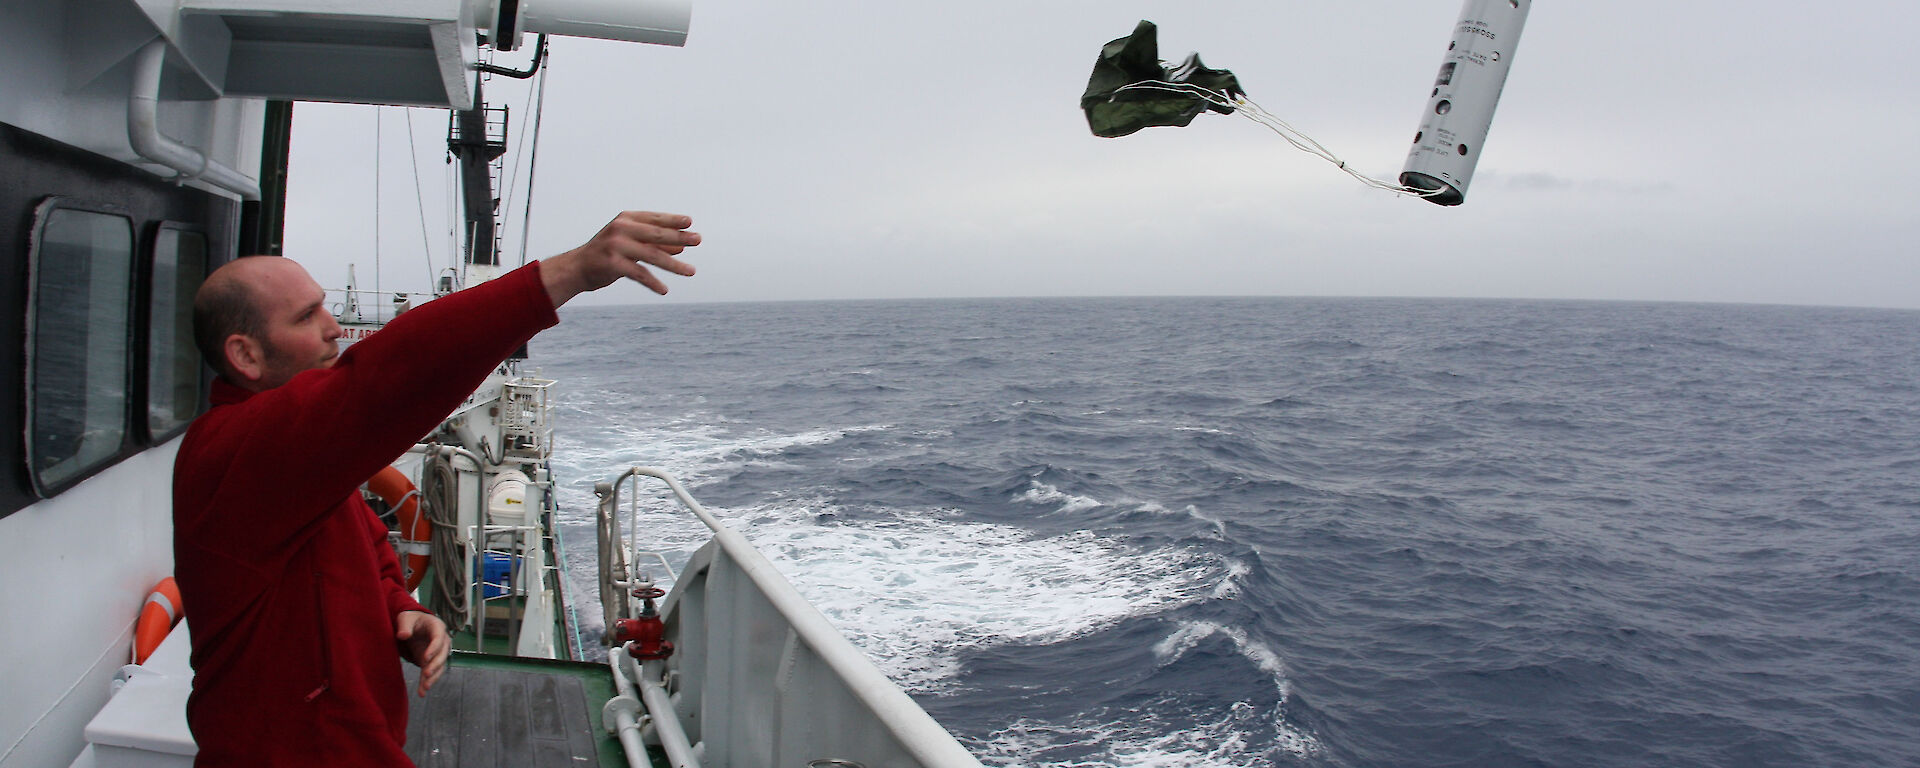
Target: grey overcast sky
x=1749, y=151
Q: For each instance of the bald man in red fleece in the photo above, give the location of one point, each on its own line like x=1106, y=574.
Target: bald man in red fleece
x=299, y=615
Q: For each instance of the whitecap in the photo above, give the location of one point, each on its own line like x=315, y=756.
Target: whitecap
x=1162, y=734
x=1151, y=738
x=914, y=590
x=1042, y=493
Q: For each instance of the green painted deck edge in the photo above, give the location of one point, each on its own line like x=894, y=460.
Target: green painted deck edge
x=493, y=645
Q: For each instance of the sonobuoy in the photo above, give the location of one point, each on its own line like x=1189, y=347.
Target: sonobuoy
x=1460, y=108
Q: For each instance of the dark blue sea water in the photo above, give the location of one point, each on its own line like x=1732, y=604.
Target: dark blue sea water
x=1276, y=532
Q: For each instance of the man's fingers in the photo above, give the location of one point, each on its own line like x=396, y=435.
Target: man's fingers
x=671, y=264
x=648, y=231
x=626, y=247
x=632, y=257
x=635, y=246
x=643, y=276
x=430, y=675
x=656, y=256
x=434, y=658
x=658, y=219
x=653, y=255
x=672, y=221
x=428, y=678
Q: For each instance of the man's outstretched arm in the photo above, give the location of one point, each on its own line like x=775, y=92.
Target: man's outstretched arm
x=622, y=248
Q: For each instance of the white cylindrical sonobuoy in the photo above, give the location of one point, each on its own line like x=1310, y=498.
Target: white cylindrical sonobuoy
x=1460, y=109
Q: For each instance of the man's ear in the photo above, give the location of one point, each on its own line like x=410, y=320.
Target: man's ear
x=246, y=357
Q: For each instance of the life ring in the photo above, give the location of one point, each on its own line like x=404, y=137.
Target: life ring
x=157, y=618
x=416, y=532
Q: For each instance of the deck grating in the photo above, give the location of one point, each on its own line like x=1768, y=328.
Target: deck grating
x=484, y=717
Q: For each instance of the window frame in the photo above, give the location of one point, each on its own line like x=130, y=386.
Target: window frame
x=33, y=168
x=42, y=215
x=147, y=285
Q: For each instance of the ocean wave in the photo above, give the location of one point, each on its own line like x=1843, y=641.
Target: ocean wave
x=1190, y=633
x=916, y=590
x=1238, y=735
x=694, y=447
x=1043, y=494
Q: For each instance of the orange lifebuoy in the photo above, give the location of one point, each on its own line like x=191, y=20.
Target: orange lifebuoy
x=157, y=618
x=416, y=532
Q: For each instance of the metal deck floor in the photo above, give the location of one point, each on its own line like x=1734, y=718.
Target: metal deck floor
x=486, y=714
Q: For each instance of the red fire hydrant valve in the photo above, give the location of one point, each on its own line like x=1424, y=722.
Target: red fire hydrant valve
x=644, y=637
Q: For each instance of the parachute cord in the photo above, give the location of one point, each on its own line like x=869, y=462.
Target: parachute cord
x=1272, y=122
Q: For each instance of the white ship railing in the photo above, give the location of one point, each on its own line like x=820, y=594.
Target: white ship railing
x=758, y=676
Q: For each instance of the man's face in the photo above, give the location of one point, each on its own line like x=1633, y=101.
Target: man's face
x=300, y=334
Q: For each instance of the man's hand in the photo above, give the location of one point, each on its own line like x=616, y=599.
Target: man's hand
x=424, y=641
x=622, y=249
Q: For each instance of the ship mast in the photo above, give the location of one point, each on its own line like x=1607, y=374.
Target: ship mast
x=477, y=139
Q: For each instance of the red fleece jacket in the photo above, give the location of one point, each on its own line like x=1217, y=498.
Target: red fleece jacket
x=284, y=572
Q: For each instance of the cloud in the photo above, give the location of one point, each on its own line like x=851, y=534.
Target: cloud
x=863, y=149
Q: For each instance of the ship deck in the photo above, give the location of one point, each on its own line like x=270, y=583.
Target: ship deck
x=502, y=712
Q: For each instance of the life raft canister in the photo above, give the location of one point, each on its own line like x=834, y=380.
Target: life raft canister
x=157, y=618
x=416, y=532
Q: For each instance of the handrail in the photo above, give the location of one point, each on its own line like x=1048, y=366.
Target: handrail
x=919, y=734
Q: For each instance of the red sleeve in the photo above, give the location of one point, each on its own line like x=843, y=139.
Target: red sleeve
x=261, y=471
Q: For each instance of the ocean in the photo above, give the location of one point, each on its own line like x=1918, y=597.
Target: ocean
x=1255, y=532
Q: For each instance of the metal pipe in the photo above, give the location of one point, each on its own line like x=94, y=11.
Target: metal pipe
x=626, y=726
x=607, y=538
x=539, y=55
x=666, y=719
x=143, y=130
x=479, y=620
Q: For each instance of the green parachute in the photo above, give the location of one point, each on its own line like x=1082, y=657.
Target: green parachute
x=1132, y=89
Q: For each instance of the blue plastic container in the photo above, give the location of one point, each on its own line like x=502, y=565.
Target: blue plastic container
x=495, y=570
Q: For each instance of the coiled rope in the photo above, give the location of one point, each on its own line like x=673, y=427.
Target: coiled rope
x=438, y=488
